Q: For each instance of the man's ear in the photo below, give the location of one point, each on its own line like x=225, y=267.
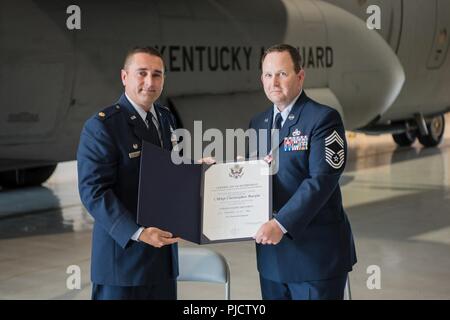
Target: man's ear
x=123, y=76
x=301, y=77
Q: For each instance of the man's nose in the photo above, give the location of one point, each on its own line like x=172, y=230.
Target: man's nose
x=148, y=80
x=275, y=80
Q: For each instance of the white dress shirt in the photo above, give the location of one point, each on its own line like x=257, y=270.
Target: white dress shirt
x=143, y=115
x=284, y=114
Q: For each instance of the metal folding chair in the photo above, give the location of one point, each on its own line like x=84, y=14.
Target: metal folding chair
x=205, y=265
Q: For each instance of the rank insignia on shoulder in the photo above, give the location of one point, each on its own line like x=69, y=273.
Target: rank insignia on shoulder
x=334, y=150
x=117, y=106
x=134, y=154
x=101, y=114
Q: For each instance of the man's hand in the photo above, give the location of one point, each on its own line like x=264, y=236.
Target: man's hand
x=268, y=158
x=207, y=160
x=157, y=237
x=269, y=233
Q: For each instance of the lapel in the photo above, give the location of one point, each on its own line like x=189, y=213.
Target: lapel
x=167, y=144
x=133, y=118
x=293, y=117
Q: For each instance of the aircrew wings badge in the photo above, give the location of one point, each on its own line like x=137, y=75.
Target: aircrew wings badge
x=334, y=150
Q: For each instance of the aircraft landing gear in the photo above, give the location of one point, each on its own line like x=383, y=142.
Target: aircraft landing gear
x=436, y=128
x=429, y=132
x=26, y=177
x=406, y=138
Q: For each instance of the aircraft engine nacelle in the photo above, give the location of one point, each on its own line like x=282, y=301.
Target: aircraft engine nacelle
x=366, y=76
x=348, y=66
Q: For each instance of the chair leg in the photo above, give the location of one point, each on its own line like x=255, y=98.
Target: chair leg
x=347, y=291
x=227, y=290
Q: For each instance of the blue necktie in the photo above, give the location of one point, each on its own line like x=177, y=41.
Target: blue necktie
x=278, y=121
x=153, y=135
x=276, y=125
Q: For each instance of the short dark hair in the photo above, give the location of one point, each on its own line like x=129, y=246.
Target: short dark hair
x=293, y=52
x=148, y=50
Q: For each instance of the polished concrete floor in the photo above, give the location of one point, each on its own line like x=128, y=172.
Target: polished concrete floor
x=397, y=199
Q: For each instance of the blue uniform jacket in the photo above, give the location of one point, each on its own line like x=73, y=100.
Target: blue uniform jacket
x=108, y=179
x=307, y=198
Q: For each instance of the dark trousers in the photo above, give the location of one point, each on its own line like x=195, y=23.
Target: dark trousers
x=330, y=289
x=166, y=290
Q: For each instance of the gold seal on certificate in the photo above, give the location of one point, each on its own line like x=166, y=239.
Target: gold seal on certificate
x=236, y=200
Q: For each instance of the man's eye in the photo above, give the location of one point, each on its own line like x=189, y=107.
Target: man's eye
x=283, y=74
x=156, y=75
x=142, y=73
x=268, y=76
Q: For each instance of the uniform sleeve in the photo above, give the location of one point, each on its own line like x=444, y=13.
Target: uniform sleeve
x=327, y=158
x=97, y=160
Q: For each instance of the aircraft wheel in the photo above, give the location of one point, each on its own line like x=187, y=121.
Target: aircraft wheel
x=405, y=139
x=436, y=128
x=26, y=177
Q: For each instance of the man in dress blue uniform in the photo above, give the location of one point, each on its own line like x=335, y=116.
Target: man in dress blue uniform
x=307, y=249
x=128, y=260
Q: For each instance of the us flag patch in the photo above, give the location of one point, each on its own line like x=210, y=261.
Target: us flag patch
x=334, y=150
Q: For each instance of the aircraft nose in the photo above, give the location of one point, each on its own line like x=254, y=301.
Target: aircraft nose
x=367, y=75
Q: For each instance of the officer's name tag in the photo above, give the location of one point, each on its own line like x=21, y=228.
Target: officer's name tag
x=134, y=154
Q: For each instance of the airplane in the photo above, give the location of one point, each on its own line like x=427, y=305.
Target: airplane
x=389, y=80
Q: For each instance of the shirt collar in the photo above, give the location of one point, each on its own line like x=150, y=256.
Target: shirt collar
x=141, y=111
x=287, y=110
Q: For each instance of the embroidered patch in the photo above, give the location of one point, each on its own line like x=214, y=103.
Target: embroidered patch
x=334, y=150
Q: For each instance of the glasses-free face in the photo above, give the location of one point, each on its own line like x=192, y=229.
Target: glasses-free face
x=281, y=83
x=143, y=79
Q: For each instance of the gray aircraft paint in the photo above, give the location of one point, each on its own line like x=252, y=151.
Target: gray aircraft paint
x=53, y=79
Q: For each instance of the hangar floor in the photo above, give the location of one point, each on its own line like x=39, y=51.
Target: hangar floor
x=398, y=202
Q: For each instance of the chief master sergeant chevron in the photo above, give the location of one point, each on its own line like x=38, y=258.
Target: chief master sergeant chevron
x=307, y=249
x=128, y=261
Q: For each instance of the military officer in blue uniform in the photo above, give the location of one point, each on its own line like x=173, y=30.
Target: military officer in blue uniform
x=128, y=260
x=307, y=249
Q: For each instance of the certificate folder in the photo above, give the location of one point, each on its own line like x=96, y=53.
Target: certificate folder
x=171, y=198
x=169, y=194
